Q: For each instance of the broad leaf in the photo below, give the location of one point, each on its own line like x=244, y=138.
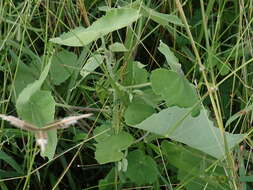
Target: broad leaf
x=113, y=20
x=171, y=59
x=109, y=146
x=137, y=111
x=197, y=132
x=38, y=108
x=174, y=88
x=62, y=66
x=142, y=169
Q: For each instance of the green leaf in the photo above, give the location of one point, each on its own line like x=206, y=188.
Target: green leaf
x=23, y=77
x=137, y=111
x=102, y=132
x=62, y=66
x=110, y=149
x=196, y=132
x=246, y=178
x=223, y=68
x=114, y=19
x=171, y=59
x=91, y=64
x=118, y=47
x=40, y=110
x=30, y=89
x=135, y=73
x=142, y=169
x=38, y=107
x=160, y=18
x=195, y=169
x=108, y=183
x=174, y=88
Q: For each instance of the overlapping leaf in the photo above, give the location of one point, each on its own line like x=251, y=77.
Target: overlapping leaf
x=38, y=107
x=196, y=132
x=109, y=146
x=174, y=88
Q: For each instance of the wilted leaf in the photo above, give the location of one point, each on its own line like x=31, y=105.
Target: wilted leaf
x=196, y=132
x=114, y=19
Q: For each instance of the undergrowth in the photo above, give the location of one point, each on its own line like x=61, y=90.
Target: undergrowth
x=168, y=83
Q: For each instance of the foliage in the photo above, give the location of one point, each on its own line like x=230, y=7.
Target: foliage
x=169, y=85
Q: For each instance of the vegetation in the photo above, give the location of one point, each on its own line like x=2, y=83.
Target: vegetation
x=168, y=83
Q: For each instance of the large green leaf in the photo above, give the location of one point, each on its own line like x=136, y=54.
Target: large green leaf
x=142, y=169
x=40, y=110
x=109, y=145
x=197, y=132
x=38, y=107
x=174, y=88
x=113, y=20
x=62, y=66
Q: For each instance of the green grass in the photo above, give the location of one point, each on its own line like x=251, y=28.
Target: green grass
x=201, y=76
